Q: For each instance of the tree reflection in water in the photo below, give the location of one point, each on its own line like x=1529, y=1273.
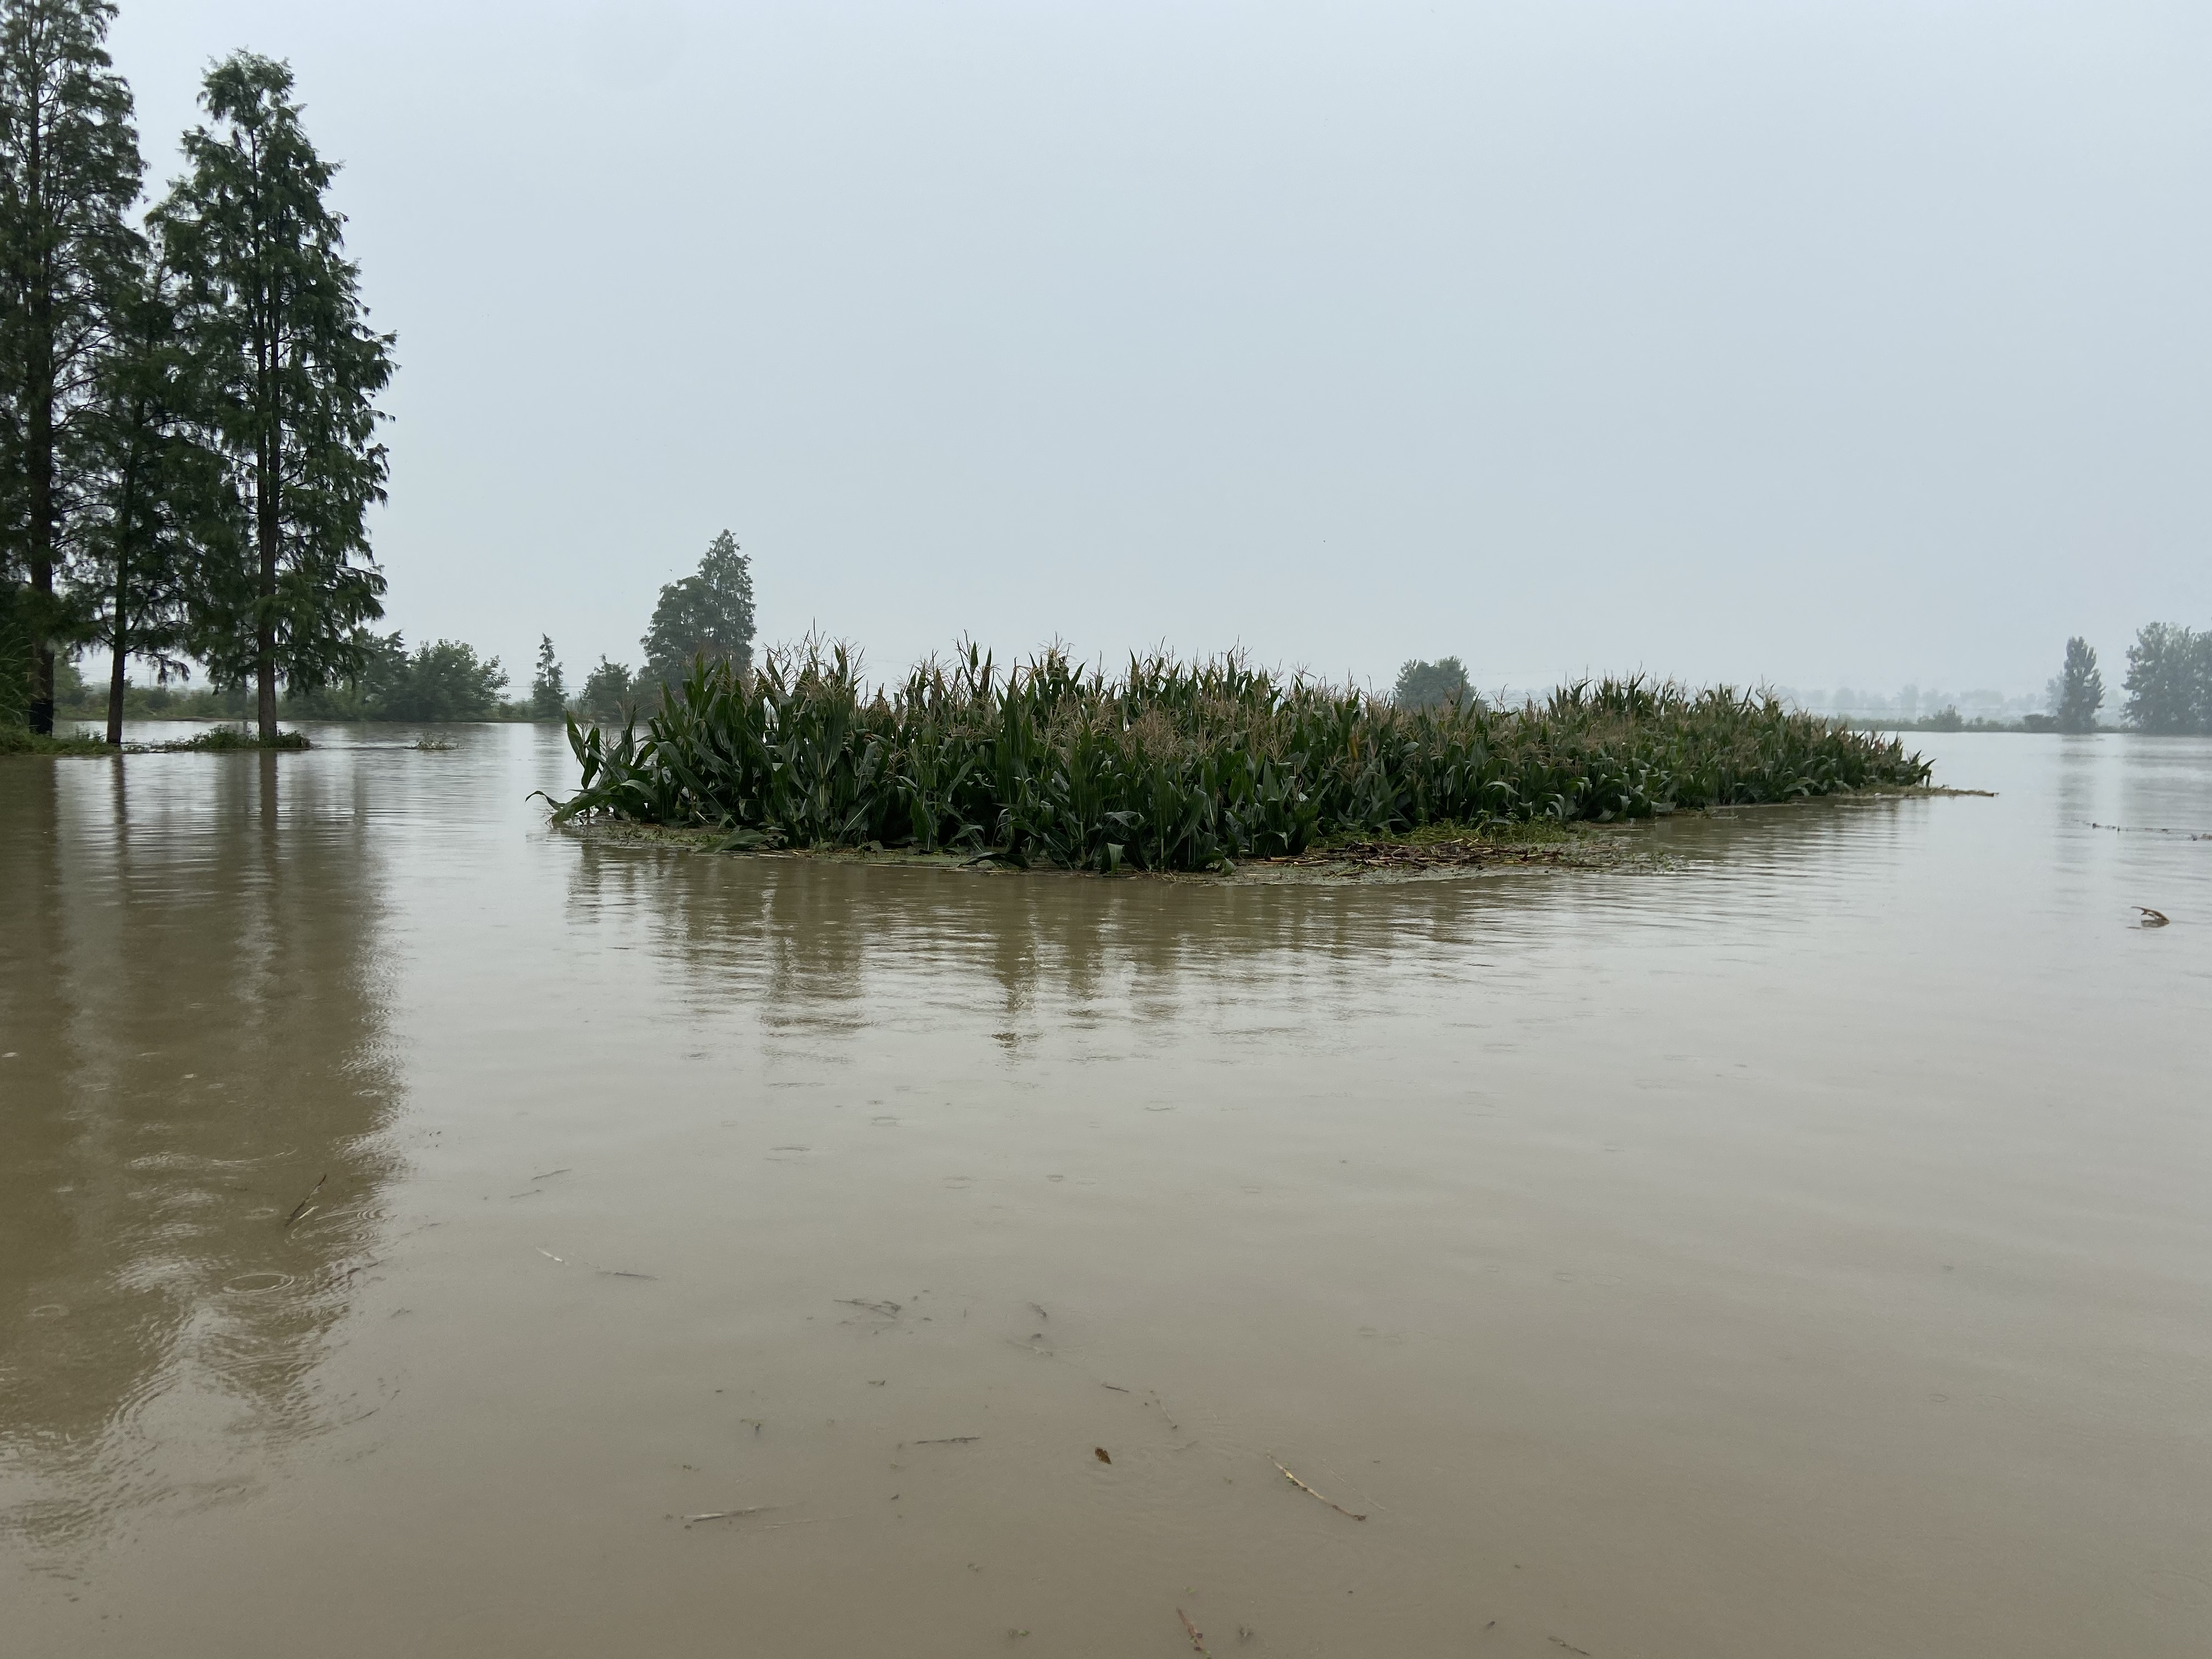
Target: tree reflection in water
x=191, y=990
x=812, y=945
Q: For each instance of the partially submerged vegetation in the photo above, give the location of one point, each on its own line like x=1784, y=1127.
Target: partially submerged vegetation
x=226, y=739
x=1457, y=849
x=1176, y=766
x=218, y=739
x=1430, y=850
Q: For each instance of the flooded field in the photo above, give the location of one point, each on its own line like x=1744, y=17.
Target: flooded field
x=412, y=1220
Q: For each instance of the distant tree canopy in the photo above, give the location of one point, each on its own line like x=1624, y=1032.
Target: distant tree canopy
x=2169, y=683
x=442, y=682
x=2079, y=691
x=1430, y=685
x=610, y=691
x=708, y=615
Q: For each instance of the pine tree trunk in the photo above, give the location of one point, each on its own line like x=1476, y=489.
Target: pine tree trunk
x=39, y=461
x=265, y=525
x=118, y=629
x=115, y=676
x=42, y=565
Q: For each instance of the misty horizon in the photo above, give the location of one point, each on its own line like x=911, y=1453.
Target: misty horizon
x=1861, y=346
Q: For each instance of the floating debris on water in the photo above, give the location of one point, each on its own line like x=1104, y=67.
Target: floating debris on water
x=1310, y=1492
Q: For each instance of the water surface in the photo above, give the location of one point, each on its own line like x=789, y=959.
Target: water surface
x=1802, y=1248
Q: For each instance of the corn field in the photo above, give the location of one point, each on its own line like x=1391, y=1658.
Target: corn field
x=1176, y=766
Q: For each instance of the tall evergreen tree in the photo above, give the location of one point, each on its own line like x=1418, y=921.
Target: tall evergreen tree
x=708, y=615
x=160, y=490
x=274, y=312
x=548, y=689
x=2079, y=691
x=69, y=171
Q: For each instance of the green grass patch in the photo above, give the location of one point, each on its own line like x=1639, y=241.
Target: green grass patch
x=1176, y=766
x=21, y=740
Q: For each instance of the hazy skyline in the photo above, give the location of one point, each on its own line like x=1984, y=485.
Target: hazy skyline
x=1821, y=343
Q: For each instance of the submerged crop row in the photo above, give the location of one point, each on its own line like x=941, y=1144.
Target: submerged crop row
x=1176, y=766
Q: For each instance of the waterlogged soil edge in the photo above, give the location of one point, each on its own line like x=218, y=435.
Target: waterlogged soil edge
x=1432, y=852
x=1578, y=848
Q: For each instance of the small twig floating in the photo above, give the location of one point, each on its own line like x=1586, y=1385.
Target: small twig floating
x=603, y=1272
x=301, y=1208
x=728, y=1515
x=1310, y=1492
x=949, y=1440
x=1190, y=1630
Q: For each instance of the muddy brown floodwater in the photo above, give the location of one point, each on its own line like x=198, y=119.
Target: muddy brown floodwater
x=1804, y=1249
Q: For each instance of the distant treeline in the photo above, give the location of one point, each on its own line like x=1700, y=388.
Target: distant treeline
x=2168, y=690
x=708, y=615
x=2168, y=687
x=443, y=681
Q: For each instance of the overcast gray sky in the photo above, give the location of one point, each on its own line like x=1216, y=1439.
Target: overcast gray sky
x=1805, y=341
